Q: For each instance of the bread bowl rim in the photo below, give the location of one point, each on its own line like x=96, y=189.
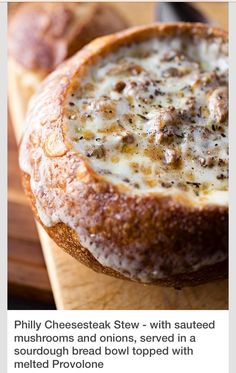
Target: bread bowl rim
x=88, y=55
x=102, y=46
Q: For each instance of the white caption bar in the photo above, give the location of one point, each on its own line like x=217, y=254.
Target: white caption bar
x=118, y=341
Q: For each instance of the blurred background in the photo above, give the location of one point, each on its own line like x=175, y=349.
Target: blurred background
x=141, y=13
x=29, y=286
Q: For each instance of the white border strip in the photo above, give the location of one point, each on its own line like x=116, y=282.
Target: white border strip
x=232, y=235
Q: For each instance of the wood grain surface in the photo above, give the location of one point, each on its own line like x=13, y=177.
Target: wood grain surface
x=27, y=274
x=74, y=286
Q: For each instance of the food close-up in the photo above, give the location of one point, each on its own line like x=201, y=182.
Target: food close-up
x=123, y=152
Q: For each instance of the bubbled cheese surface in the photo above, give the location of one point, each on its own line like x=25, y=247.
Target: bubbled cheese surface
x=153, y=116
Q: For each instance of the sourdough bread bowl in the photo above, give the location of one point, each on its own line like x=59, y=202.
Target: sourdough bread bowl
x=43, y=35
x=124, y=156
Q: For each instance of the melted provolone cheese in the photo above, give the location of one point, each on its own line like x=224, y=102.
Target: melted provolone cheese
x=153, y=116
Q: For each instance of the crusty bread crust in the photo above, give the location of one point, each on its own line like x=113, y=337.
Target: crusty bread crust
x=143, y=228
x=41, y=36
x=68, y=240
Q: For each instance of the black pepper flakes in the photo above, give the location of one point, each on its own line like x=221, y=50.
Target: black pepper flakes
x=221, y=177
x=142, y=116
x=195, y=184
x=157, y=92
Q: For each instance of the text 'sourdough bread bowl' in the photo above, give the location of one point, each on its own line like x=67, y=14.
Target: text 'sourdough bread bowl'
x=43, y=35
x=125, y=159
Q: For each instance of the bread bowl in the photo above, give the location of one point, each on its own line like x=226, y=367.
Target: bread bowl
x=42, y=35
x=124, y=155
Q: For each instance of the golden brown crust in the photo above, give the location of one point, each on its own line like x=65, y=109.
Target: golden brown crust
x=43, y=35
x=183, y=237
x=68, y=240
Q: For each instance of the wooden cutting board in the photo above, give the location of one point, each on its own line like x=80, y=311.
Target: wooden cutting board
x=74, y=286
x=27, y=274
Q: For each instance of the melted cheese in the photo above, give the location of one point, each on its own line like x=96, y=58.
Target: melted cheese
x=153, y=116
